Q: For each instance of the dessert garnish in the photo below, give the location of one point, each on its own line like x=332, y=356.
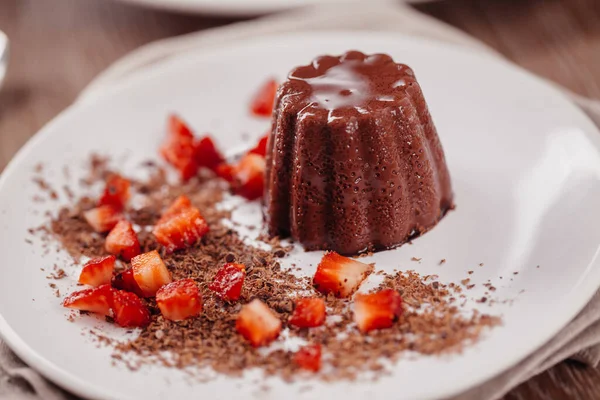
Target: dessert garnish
x=176, y=270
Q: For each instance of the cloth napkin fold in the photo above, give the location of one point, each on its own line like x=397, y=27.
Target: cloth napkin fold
x=579, y=340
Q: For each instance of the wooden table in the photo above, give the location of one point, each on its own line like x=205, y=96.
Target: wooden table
x=60, y=45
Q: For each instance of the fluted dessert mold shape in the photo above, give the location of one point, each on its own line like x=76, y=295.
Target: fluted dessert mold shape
x=354, y=162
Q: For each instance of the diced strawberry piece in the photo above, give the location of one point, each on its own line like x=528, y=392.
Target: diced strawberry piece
x=116, y=193
x=125, y=281
x=263, y=101
x=122, y=241
x=181, y=229
x=228, y=281
x=340, y=275
x=249, y=176
x=377, y=310
x=225, y=171
x=178, y=149
x=180, y=203
x=98, y=271
x=150, y=272
x=179, y=300
x=258, y=324
x=129, y=310
x=177, y=127
x=207, y=154
x=102, y=218
x=309, y=357
x=97, y=300
x=261, y=146
x=309, y=313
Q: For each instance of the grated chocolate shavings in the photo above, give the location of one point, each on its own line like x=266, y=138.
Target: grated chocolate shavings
x=431, y=324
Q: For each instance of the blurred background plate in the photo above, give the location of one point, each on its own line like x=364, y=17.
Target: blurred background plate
x=239, y=8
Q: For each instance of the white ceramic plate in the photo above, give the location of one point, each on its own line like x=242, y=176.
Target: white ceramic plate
x=237, y=8
x=526, y=171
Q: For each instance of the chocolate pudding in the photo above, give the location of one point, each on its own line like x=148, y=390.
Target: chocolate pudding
x=354, y=162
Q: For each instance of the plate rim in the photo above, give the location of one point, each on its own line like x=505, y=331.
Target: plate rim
x=75, y=385
x=238, y=9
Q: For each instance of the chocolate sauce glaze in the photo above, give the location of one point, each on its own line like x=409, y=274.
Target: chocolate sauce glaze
x=354, y=162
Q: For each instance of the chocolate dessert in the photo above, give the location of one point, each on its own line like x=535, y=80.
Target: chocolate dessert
x=354, y=162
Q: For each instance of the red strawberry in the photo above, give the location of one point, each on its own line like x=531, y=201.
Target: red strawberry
x=261, y=146
x=309, y=357
x=96, y=300
x=129, y=310
x=122, y=241
x=180, y=203
x=102, y=218
x=228, y=281
x=150, y=272
x=179, y=300
x=177, y=127
x=377, y=310
x=258, y=324
x=125, y=281
x=207, y=154
x=225, y=171
x=263, y=101
x=116, y=193
x=181, y=229
x=309, y=313
x=340, y=275
x=249, y=176
x=178, y=149
x=98, y=271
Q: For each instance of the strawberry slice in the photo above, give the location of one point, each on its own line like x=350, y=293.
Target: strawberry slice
x=228, y=281
x=181, y=229
x=264, y=99
x=179, y=300
x=308, y=313
x=179, y=149
x=102, y=218
x=340, y=275
x=97, y=300
x=177, y=127
x=122, y=241
x=98, y=271
x=207, y=154
x=180, y=203
x=258, y=324
x=261, y=146
x=129, y=310
x=249, y=176
x=150, y=272
x=125, y=281
x=377, y=310
x=225, y=171
x=309, y=357
x=116, y=193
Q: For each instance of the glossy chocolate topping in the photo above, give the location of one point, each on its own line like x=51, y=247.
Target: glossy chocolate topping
x=354, y=162
x=353, y=81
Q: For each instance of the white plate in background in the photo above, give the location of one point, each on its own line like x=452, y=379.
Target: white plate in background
x=240, y=8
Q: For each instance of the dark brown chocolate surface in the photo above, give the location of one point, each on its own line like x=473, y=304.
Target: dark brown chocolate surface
x=354, y=162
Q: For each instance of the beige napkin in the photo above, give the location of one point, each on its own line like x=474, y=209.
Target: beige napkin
x=579, y=340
